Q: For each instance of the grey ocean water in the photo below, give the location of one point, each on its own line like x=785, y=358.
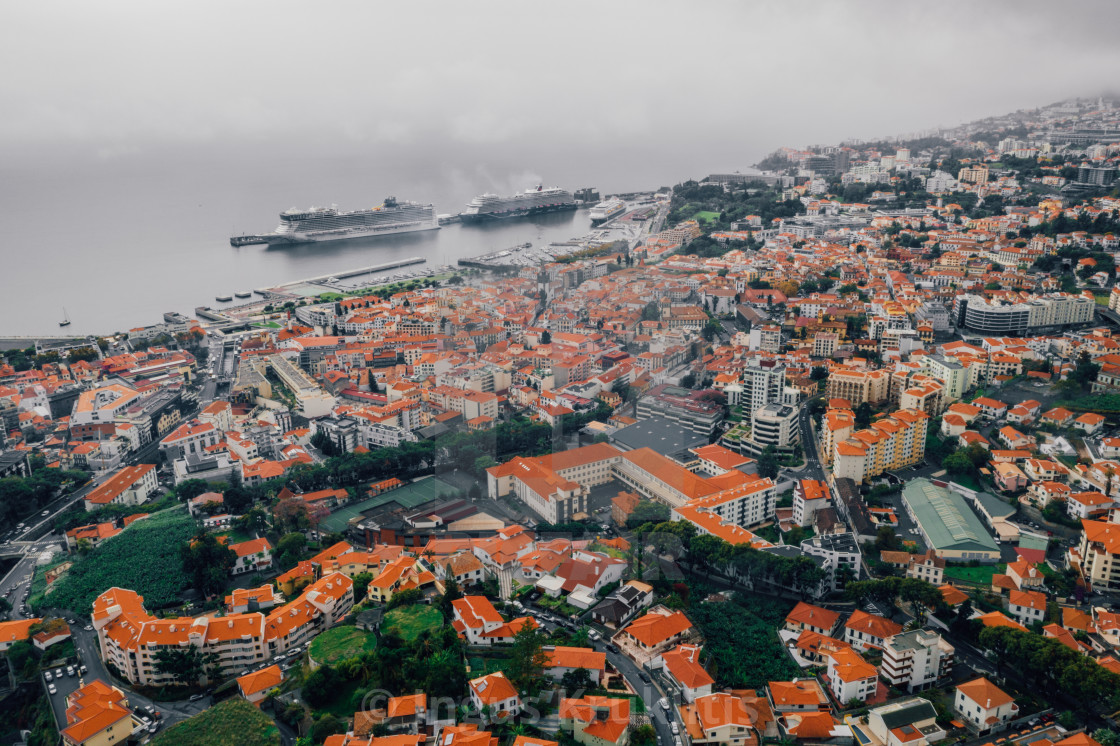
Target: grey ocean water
x=120, y=238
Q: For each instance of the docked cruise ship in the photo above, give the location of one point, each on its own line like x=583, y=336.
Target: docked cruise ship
x=529, y=202
x=328, y=224
x=606, y=210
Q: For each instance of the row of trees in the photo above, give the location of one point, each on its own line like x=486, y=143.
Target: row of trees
x=1050, y=666
x=741, y=561
x=21, y=497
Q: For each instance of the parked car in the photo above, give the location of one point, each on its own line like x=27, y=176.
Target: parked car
x=664, y=702
x=674, y=727
x=52, y=689
x=48, y=676
x=196, y=697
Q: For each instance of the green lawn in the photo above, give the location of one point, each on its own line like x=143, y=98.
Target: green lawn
x=969, y=481
x=235, y=536
x=410, y=621
x=481, y=666
x=233, y=721
x=707, y=216
x=339, y=643
x=981, y=575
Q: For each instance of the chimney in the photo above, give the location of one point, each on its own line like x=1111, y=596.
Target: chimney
x=989, y=705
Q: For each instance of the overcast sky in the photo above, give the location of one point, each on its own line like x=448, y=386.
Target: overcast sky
x=121, y=76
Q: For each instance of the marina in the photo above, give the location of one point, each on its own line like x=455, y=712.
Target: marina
x=629, y=224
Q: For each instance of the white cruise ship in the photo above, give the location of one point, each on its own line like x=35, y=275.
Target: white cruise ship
x=607, y=210
x=328, y=224
x=529, y=202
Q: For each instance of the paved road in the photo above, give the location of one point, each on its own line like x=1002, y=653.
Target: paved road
x=85, y=645
x=813, y=468
x=650, y=692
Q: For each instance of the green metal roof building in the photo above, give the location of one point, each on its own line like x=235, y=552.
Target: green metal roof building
x=947, y=523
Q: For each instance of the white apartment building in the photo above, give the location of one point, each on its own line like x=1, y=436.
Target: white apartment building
x=809, y=496
x=916, y=660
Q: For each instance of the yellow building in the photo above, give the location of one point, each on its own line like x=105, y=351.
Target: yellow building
x=890, y=443
x=97, y=715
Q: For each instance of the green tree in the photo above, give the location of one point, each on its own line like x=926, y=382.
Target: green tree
x=546, y=337
x=527, y=659
x=327, y=725
x=187, y=665
x=407, y=597
x=863, y=415
x=237, y=500
x=361, y=586
x=576, y=680
x=768, y=463
x=208, y=563
x=82, y=353
x=645, y=735
x=191, y=488
x=290, y=548
x=957, y=462
x=451, y=593
x=648, y=511
x=1106, y=737
x=321, y=686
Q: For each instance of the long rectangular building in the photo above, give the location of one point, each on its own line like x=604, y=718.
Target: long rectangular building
x=129, y=637
x=947, y=524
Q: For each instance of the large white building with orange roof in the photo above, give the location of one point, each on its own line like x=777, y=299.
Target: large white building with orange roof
x=596, y=721
x=496, y=694
x=129, y=637
x=682, y=664
x=1098, y=556
x=850, y=677
x=984, y=707
x=190, y=439
x=719, y=718
x=103, y=404
x=858, y=385
x=131, y=485
x=562, y=660
x=554, y=486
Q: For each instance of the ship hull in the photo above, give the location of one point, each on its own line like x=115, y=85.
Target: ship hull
x=607, y=218
x=344, y=234
x=513, y=213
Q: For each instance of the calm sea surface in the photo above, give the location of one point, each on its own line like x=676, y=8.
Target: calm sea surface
x=119, y=240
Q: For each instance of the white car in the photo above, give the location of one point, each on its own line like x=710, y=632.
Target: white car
x=51, y=689
x=48, y=676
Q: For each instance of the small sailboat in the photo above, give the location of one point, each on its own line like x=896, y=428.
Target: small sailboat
x=65, y=318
